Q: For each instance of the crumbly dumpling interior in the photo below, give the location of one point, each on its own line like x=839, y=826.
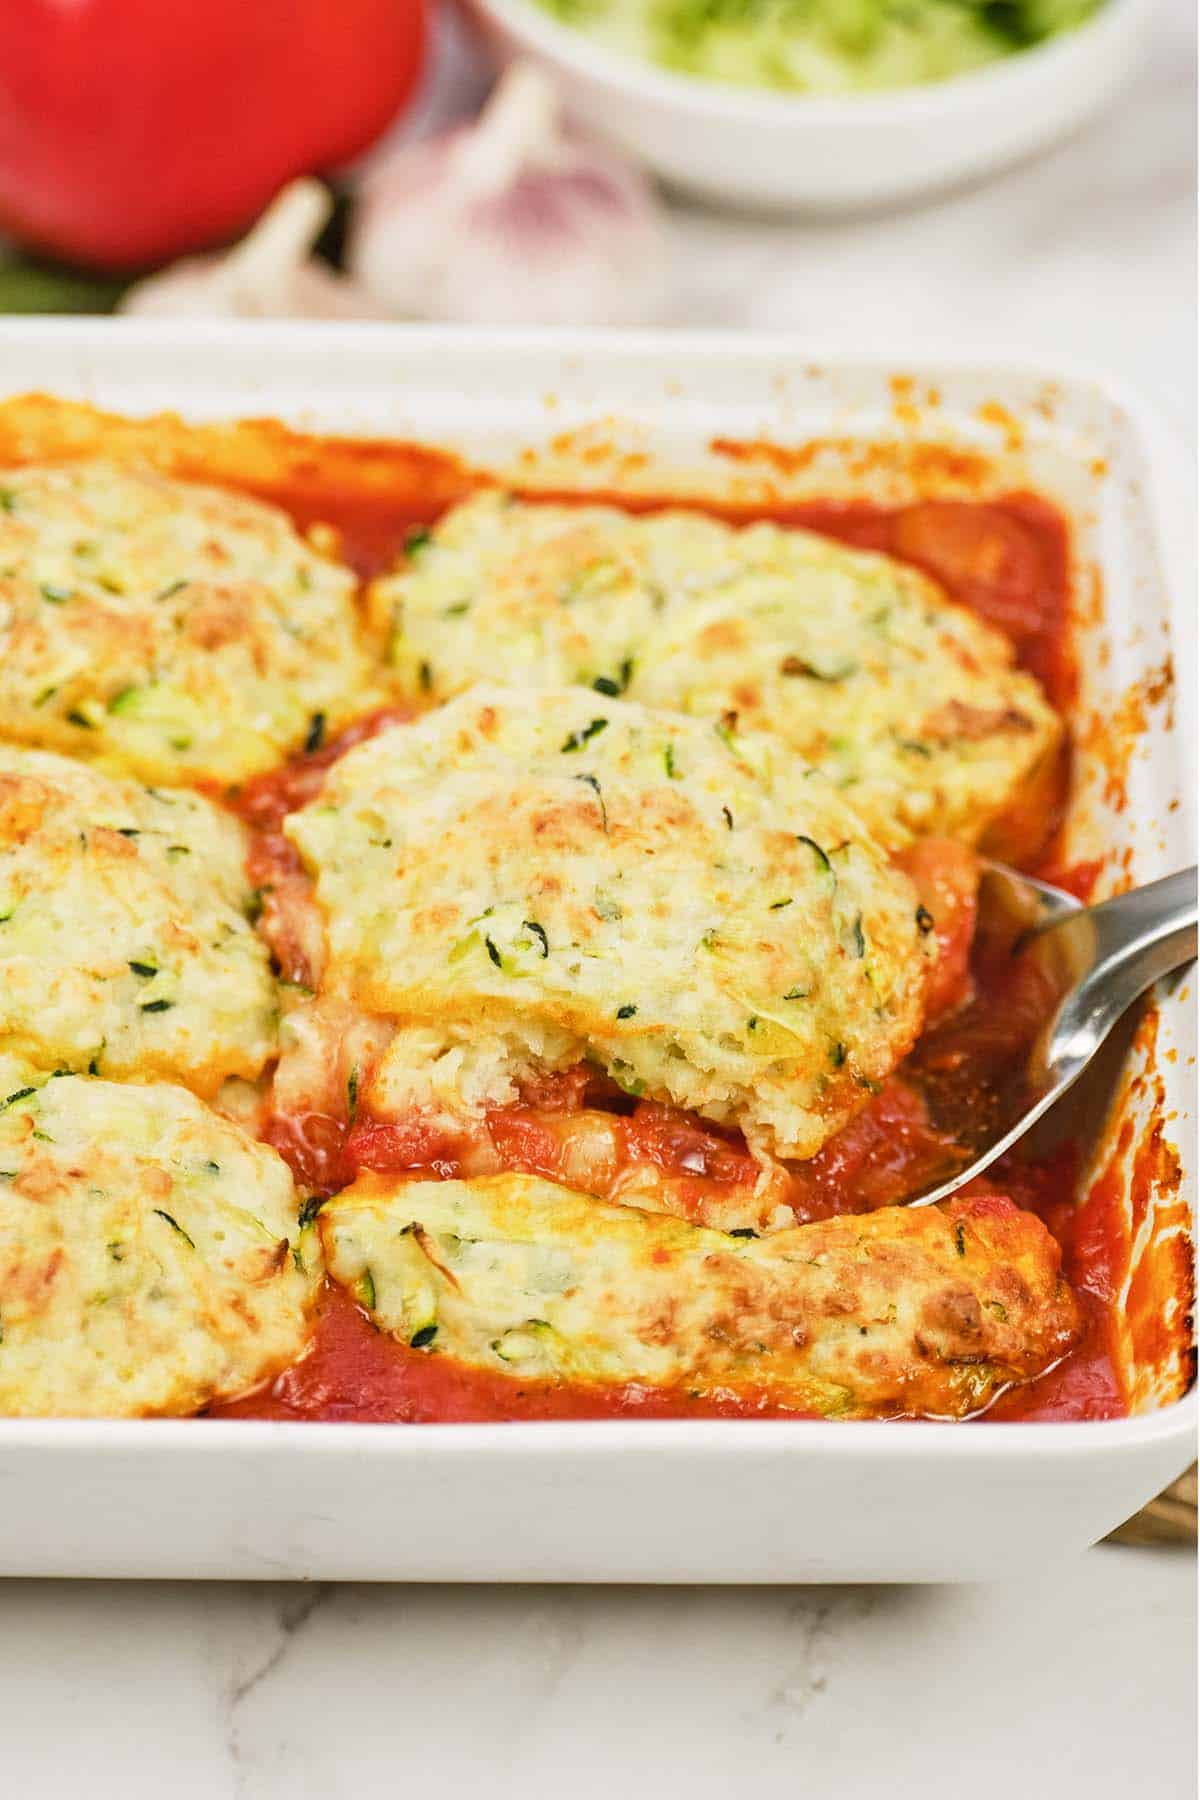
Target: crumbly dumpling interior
x=126, y=945
x=908, y=702
x=897, y=1311
x=167, y=629
x=529, y=880
x=150, y=1255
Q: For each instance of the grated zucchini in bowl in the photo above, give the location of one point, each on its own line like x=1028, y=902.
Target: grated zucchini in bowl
x=821, y=46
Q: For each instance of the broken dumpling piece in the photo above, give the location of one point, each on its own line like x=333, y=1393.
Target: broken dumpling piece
x=928, y=1312
x=126, y=946
x=169, y=630
x=523, y=882
x=908, y=702
x=150, y=1256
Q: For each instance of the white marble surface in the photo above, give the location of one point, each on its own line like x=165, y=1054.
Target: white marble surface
x=1080, y=1684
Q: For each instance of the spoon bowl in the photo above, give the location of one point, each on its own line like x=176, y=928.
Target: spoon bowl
x=1086, y=966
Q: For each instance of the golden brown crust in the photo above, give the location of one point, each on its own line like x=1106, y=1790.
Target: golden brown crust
x=557, y=876
x=125, y=945
x=910, y=703
x=150, y=1257
x=172, y=631
x=914, y=1312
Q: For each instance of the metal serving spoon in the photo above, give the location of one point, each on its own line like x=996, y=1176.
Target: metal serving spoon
x=1092, y=963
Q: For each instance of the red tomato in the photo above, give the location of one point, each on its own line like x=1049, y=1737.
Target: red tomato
x=134, y=130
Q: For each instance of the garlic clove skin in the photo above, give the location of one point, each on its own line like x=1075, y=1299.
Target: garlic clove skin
x=268, y=275
x=515, y=220
x=185, y=290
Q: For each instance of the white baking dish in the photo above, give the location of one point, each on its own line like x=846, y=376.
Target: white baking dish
x=676, y=1501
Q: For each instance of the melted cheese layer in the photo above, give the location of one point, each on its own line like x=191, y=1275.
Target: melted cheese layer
x=907, y=701
x=125, y=944
x=166, y=629
x=150, y=1257
x=521, y=881
x=897, y=1311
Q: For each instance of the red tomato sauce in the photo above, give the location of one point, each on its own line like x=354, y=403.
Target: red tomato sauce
x=354, y=1372
x=273, y=865
x=1009, y=560
x=1085, y=1385
x=265, y=800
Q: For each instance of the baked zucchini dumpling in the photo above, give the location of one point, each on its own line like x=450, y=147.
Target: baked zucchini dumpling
x=906, y=700
x=170, y=630
x=893, y=1312
x=524, y=881
x=126, y=945
x=150, y=1256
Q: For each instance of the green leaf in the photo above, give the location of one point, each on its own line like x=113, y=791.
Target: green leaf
x=820, y=855
x=590, y=781
x=35, y=287
x=539, y=933
x=578, y=739
x=829, y=672
x=175, y=1226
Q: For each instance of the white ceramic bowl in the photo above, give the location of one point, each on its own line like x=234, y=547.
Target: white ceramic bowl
x=750, y=147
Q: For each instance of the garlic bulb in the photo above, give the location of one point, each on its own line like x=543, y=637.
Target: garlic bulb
x=514, y=220
x=269, y=275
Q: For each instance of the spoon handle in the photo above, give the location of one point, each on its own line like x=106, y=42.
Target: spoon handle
x=1124, y=945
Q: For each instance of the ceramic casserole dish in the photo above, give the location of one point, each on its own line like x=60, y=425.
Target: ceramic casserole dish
x=741, y=423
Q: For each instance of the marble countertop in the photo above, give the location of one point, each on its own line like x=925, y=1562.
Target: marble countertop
x=1081, y=1682
x=1082, y=1679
